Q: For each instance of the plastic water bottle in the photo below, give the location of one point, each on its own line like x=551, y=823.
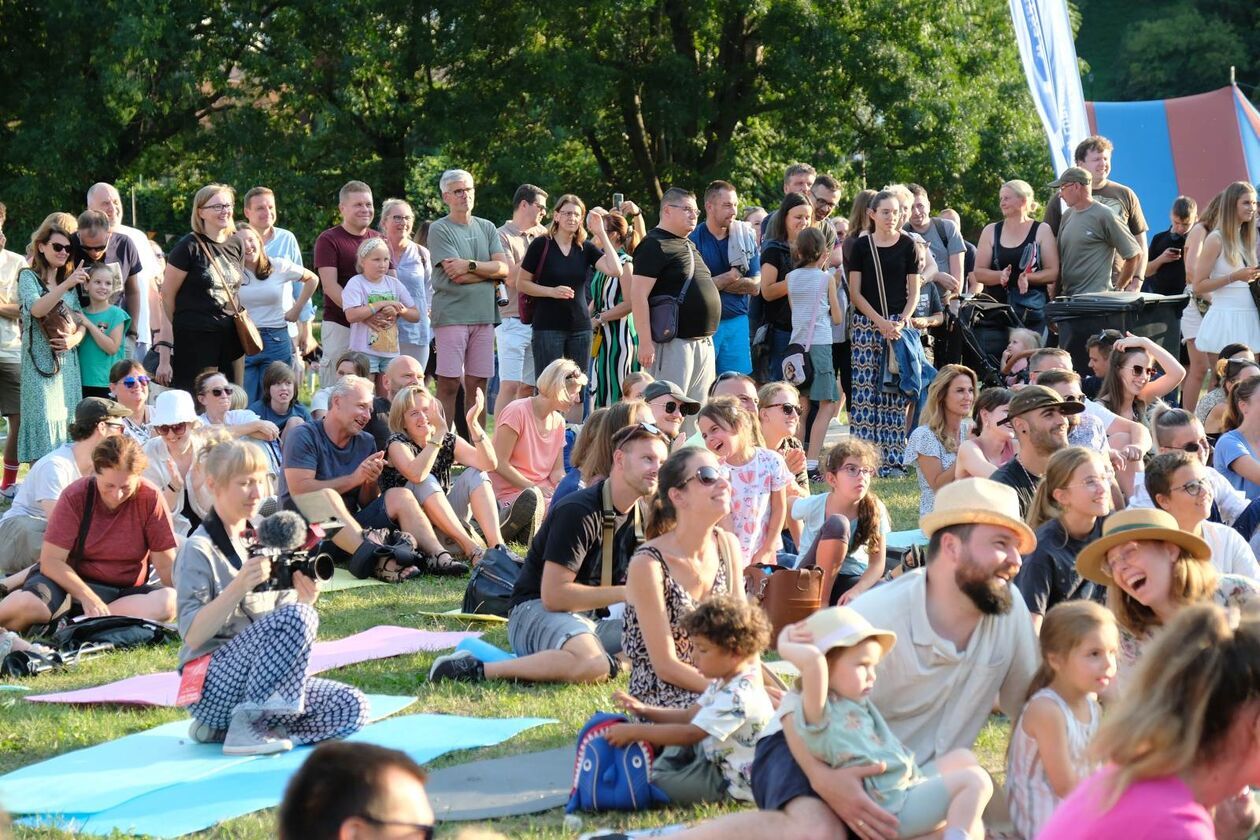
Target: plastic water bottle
x=965, y=426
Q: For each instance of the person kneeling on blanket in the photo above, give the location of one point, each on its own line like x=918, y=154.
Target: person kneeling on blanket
x=245, y=652
x=709, y=747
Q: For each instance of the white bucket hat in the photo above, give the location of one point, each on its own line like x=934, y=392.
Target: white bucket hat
x=172, y=407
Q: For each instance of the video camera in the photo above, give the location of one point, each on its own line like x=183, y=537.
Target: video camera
x=293, y=545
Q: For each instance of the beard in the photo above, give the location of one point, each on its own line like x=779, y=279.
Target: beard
x=991, y=595
x=1049, y=441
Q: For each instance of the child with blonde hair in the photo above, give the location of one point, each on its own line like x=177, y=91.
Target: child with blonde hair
x=1021, y=343
x=373, y=302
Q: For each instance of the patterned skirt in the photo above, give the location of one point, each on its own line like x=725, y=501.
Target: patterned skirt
x=874, y=416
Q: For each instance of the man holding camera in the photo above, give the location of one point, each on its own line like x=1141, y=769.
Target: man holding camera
x=336, y=453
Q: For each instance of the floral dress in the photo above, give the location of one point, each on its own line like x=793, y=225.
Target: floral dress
x=48, y=402
x=924, y=442
x=645, y=685
x=618, y=354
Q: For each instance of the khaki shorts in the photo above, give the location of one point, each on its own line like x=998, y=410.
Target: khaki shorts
x=22, y=537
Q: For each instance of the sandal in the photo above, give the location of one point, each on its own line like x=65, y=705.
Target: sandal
x=473, y=558
x=390, y=570
x=444, y=564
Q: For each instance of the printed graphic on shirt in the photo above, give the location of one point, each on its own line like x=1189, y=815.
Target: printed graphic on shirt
x=383, y=341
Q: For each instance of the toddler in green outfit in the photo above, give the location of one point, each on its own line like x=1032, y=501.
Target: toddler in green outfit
x=837, y=651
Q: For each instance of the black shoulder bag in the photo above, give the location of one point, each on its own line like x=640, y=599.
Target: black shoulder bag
x=663, y=309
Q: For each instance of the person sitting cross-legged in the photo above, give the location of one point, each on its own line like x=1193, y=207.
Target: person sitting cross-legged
x=558, y=625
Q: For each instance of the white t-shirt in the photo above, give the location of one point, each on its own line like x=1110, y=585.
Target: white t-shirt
x=1230, y=553
x=1106, y=415
x=751, y=486
x=48, y=477
x=811, y=308
x=148, y=271
x=735, y=714
x=10, y=328
x=268, y=300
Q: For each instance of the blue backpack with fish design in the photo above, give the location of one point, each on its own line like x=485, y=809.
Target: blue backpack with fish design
x=608, y=778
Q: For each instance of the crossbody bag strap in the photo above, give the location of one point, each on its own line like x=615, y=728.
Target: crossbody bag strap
x=733, y=582
x=879, y=275
x=813, y=318
x=610, y=527
x=997, y=243
x=232, y=299
x=85, y=524
x=691, y=270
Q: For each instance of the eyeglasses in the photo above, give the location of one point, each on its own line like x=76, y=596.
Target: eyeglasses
x=171, y=429
x=541, y=207
x=133, y=381
x=463, y=191
x=1139, y=370
x=425, y=831
x=398, y=217
x=1118, y=556
x=686, y=211
x=217, y=208
x=1093, y=484
x=573, y=377
x=708, y=476
x=217, y=392
x=854, y=471
x=59, y=248
x=789, y=409
x=1196, y=488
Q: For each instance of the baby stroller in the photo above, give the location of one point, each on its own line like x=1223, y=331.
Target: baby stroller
x=977, y=336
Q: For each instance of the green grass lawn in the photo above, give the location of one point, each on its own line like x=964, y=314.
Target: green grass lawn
x=34, y=731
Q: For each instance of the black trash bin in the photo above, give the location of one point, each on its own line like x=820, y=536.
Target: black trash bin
x=1077, y=318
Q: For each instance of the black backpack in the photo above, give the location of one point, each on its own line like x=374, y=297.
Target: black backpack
x=118, y=632
x=489, y=589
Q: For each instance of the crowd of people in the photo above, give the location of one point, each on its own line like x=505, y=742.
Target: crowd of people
x=663, y=406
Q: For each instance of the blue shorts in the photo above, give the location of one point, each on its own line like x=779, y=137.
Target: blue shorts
x=732, y=347
x=776, y=777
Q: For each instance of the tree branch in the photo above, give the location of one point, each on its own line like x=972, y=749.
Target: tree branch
x=637, y=136
x=601, y=157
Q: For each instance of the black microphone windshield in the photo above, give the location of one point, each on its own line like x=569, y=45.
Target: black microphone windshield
x=284, y=530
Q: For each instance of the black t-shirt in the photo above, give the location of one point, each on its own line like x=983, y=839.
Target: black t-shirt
x=378, y=426
x=897, y=261
x=929, y=301
x=201, y=302
x=120, y=255
x=1049, y=577
x=573, y=536
x=561, y=270
x=778, y=313
x=1013, y=474
x=663, y=256
x=1169, y=278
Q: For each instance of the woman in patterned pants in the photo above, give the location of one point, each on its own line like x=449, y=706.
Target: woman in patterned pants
x=245, y=652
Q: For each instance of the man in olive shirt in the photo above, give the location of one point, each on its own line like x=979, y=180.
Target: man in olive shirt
x=1090, y=238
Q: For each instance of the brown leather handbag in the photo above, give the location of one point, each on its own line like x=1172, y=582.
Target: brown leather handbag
x=246, y=329
x=787, y=595
x=58, y=323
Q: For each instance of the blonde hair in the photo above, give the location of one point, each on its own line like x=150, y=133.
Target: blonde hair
x=1238, y=238
x=59, y=223
x=934, y=415
x=202, y=198
x=1059, y=470
x=554, y=227
x=1192, y=581
x=1025, y=191
x=240, y=399
x=367, y=247
x=1190, y=685
x=551, y=380
x=413, y=396
x=634, y=378
x=1031, y=340
x=223, y=459
x=1066, y=624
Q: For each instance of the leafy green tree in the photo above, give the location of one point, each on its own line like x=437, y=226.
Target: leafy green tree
x=1187, y=53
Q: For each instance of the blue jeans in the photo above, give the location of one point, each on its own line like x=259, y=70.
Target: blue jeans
x=276, y=348
x=549, y=345
x=731, y=345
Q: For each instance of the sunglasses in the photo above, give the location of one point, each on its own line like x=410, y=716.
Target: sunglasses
x=638, y=430
x=171, y=429
x=708, y=476
x=58, y=248
x=113, y=424
x=96, y=249
x=425, y=832
x=1077, y=398
x=672, y=407
x=789, y=409
x=218, y=392
x=1139, y=370
x=133, y=381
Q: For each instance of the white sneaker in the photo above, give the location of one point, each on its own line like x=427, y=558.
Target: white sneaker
x=248, y=735
x=9, y=492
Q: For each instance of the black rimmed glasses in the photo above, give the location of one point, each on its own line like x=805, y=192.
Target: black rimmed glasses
x=419, y=830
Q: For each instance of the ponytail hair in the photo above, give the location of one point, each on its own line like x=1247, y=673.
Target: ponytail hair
x=662, y=515
x=1063, y=628
x=1242, y=392
x=1059, y=470
x=869, y=516
x=1191, y=683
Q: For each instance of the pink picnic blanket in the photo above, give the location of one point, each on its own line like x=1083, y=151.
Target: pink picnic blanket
x=377, y=643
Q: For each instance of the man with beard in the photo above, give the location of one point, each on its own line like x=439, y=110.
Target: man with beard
x=559, y=625
x=335, y=453
x=964, y=636
x=1039, y=417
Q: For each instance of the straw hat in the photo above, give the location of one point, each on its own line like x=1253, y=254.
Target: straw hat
x=1140, y=524
x=835, y=627
x=979, y=501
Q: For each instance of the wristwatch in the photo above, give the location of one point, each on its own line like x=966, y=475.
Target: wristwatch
x=472, y=266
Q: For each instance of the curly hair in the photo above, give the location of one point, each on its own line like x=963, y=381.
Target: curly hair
x=730, y=623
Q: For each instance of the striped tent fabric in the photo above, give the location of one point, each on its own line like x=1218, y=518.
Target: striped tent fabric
x=1192, y=145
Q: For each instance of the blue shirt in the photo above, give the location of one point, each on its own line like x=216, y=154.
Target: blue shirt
x=715, y=255
x=1232, y=446
x=308, y=447
x=265, y=412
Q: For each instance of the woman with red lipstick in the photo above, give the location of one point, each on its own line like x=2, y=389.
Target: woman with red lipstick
x=933, y=447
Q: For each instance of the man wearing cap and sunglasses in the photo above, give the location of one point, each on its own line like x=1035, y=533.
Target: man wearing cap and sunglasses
x=559, y=625
x=965, y=638
x=669, y=407
x=1090, y=237
x=1038, y=416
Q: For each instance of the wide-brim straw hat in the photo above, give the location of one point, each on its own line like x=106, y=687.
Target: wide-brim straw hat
x=1136, y=524
x=979, y=501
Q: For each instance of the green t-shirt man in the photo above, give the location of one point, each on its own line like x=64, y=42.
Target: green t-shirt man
x=1089, y=241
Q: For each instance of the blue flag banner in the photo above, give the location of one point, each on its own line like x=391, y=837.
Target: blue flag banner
x=1044, y=35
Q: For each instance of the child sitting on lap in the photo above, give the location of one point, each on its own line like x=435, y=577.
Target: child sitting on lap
x=709, y=746
x=837, y=650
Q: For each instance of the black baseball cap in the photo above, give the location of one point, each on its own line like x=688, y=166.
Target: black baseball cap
x=663, y=387
x=92, y=410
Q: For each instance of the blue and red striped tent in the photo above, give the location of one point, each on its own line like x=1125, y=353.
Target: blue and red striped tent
x=1192, y=145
